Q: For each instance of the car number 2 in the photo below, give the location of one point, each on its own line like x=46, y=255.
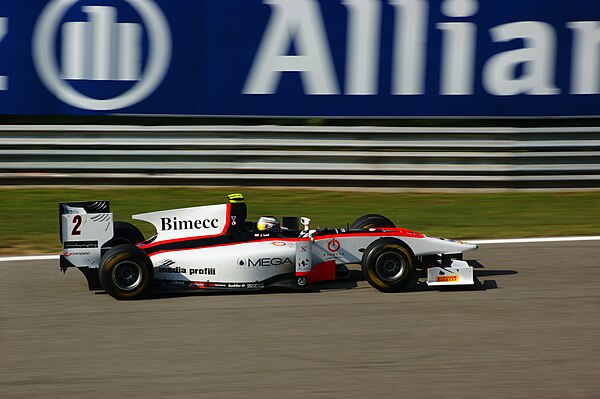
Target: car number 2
x=77, y=220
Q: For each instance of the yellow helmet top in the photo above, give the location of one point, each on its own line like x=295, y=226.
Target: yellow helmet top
x=235, y=198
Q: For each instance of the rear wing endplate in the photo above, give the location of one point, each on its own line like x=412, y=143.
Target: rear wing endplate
x=84, y=228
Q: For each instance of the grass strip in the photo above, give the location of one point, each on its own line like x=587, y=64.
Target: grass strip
x=30, y=221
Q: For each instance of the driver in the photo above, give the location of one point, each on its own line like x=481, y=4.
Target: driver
x=269, y=223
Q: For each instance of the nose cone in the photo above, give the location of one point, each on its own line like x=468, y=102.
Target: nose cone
x=469, y=246
x=448, y=246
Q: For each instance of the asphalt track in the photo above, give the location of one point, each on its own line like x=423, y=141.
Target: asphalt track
x=529, y=329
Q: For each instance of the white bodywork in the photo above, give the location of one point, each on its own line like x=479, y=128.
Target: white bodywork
x=257, y=261
x=346, y=248
x=247, y=262
x=228, y=263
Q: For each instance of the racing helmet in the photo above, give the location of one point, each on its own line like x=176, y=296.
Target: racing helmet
x=268, y=223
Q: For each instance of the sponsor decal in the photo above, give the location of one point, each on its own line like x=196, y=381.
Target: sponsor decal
x=236, y=285
x=445, y=279
x=166, y=263
x=332, y=255
x=80, y=244
x=180, y=270
x=207, y=271
x=263, y=262
x=304, y=264
x=172, y=283
x=255, y=285
x=198, y=284
x=78, y=253
x=174, y=224
x=334, y=250
x=207, y=284
x=333, y=245
x=303, y=248
x=279, y=243
x=217, y=285
x=233, y=220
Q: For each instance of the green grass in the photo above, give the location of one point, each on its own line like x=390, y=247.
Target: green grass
x=30, y=222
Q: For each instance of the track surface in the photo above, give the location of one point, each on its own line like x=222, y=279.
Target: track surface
x=537, y=335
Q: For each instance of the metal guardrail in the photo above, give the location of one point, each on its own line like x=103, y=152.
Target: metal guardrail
x=386, y=157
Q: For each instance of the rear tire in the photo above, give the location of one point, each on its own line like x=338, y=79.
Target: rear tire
x=388, y=265
x=371, y=221
x=126, y=272
x=125, y=233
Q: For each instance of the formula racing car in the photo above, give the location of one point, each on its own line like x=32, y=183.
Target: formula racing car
x=214, y=247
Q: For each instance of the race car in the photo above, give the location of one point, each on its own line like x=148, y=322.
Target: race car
x=214, y=247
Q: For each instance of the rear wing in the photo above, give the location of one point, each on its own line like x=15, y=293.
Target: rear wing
x=84, y=228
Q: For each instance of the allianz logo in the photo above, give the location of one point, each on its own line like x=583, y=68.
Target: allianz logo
x=95, y=46
x=303, y=25
x=103, y=35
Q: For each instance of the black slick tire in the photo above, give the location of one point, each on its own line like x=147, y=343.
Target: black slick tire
x=126, y=272
x=388, y=265
x=371, y=221
x=125, y=233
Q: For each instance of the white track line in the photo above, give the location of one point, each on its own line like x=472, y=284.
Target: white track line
x=25, y=258
x=534, y=240
x=477, y=242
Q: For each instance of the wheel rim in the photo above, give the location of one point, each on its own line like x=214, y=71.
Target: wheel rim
x=127, y=275
x=390, y=266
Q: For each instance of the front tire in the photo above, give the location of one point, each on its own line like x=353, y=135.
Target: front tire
x=388, y=265
x=126, y=272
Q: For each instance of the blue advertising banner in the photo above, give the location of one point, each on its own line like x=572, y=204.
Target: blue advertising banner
x=347, y=58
